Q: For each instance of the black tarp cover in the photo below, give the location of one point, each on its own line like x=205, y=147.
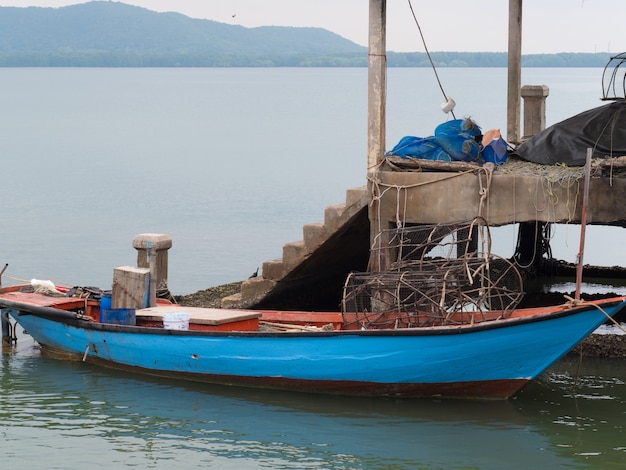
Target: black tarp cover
x=602, y=129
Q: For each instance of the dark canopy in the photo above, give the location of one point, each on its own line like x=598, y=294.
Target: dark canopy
x=602, y=129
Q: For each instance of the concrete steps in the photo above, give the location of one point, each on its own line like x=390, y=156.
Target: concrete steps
x=294, y=253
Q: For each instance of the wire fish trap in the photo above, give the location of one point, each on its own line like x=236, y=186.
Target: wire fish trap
x=451, y=293
x=614, y=78
x=409, y=244
x=439, y=277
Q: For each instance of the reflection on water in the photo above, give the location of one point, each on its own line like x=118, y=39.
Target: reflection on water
x=70, y=415
x=580, y=404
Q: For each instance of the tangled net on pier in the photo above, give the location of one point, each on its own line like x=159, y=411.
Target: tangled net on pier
x=441, y=275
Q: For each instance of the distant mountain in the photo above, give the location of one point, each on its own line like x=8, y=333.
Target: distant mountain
x=96, y=30
x=113, y=34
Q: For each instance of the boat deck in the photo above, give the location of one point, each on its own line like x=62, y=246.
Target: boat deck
x=203, y=318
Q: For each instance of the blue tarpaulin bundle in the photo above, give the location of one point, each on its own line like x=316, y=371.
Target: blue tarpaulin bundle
x=425, y=148
x=456, y=140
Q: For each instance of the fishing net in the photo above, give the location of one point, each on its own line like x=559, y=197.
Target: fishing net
x=440, y=275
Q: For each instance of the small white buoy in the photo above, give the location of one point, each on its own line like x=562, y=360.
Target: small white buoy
x=448, y=105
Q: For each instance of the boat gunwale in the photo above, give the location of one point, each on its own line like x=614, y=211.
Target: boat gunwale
x=79, y=321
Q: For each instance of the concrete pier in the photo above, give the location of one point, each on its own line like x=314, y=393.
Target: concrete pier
x=418, y=197
x=311, y=272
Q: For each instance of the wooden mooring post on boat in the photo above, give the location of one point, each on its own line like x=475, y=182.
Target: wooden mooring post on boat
x=137, y=287
x=8, y=336
x=131, y=288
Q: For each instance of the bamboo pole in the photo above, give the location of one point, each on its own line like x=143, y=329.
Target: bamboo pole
x=583, y=224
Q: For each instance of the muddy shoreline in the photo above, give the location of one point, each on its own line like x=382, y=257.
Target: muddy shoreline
x=596, y=345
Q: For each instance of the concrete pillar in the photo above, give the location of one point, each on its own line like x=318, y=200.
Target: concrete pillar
x=534, y=109
x=514, y=72
x=152, y=253
x=377, y=82
x=533, y=246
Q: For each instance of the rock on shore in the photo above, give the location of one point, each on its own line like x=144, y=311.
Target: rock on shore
x=211, y=297
x=606, y=342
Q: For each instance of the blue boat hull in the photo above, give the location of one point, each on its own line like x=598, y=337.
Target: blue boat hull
x=489, y=360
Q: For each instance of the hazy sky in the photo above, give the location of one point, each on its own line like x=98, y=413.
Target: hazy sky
x=448, y=25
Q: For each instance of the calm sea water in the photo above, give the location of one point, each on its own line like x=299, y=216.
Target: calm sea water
x=67, y=415
x=231, y=163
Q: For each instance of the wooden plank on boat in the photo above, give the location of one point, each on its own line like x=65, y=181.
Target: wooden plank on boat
x=314, y=319
x=40, y=300
x=130, y=287
x=199, y=315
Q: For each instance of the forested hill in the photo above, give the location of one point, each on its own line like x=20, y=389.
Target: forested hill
x=113, y=34
x=116, y=34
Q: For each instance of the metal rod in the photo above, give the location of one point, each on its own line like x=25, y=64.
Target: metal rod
x=583, y=224
x=2, y=272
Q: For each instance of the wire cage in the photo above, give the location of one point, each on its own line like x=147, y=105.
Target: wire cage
x=441, y=275
x=614, y=78
x=410, y=244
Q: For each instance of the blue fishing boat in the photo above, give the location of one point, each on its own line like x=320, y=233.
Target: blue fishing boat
x=492, y=355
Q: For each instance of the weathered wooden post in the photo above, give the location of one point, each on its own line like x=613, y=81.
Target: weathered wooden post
x=131, y=288
x=514, y=72
x=376, y=82
x=7, y=338
x=376, y=105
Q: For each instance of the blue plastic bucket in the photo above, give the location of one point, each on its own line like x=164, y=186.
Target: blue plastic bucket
x=105, y=301
x=118, y=316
